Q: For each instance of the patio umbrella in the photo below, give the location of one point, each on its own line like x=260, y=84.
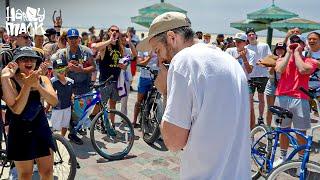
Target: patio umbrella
x=147, y=14
x=244, y=24
x=265, y=16
x=303, y=24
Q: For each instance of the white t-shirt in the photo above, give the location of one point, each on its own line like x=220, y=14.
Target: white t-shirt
x=208, y=94
x=251, y=57
x=153, y=64
x=262, y=50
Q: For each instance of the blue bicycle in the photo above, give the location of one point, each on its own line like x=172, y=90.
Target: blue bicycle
x=265, y=142
x=112, y=140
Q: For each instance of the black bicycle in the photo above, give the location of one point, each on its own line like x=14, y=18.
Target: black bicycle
x=151, y=111
x=64, y=165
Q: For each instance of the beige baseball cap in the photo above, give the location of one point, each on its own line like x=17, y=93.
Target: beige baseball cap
x=162, y=23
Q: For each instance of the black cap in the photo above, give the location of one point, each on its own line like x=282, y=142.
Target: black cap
x=249, y=30
x=59, y=63
x=50, y=31
x=25, y=52
x=280, y=45
x=295, y=39
x=220, y=36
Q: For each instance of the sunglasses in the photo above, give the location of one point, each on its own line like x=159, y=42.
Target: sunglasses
x=61, y=69
x=24, y=36
x=26, y=59
x=114, y=30
x=73, y=37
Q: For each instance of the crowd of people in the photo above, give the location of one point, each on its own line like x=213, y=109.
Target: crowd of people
x=203, y=79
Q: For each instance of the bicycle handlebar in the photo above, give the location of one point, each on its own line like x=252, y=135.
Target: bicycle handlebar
x=311, y=95
x=94, y=86
x=154, y=72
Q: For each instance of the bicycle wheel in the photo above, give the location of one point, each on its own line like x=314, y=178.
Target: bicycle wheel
x=112, y=143
x=260, y=151
x=65, y=162
x=291, y=170
x=151, y=121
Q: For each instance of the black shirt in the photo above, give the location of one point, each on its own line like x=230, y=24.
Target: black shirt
x=64, y=92
x=109, y=64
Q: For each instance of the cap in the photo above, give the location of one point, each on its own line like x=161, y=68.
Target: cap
x=280, y=45
x=72, y=33
x=59, y=63
x=220, y=36
x=50, y=31
x=162, y=23
x=207, y=35
x=295, y=39
x=241, y=36
x=25, y=52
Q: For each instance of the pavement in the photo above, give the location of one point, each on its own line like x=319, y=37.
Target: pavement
x=144, y=161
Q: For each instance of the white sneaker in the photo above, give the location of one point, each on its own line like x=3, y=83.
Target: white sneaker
x=278, y=162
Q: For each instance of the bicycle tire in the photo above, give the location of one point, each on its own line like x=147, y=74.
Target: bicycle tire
x=72, y=161
x=281, y=170
x=262, y=129
x=95, y=143
x=150, y=138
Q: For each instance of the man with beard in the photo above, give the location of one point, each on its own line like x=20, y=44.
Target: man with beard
x=207, y=93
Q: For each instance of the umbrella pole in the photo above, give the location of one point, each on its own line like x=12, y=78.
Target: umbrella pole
x=269, y=36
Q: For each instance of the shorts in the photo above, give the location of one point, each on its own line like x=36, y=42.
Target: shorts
x=110, y=91
x=60, y=118
x=300, y=109
x=270, y=88
x=258, y=83
x=145, y=85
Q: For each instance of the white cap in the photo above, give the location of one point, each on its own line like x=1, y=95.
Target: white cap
x=241, y=36
x=39, y=31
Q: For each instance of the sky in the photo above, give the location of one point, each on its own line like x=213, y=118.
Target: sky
x=213, y=16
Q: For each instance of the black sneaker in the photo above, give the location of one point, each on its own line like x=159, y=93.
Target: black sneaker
x=82, y=132
x=74, y=138
x=260, y=120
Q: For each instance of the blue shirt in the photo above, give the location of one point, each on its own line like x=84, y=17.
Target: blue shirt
x=64, y=92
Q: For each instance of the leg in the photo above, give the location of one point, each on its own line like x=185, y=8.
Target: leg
x=270, y=102
x=252, y=115
x=63, y=131
x=261, y=104
x=301, y=141
x=124, y=100
x=25, y=169
x=45, y=166
x=112, y=105
x=137, y=107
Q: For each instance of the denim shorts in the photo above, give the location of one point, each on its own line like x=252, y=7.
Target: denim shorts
x=300, y=109
x=270, y=88
x=110, y=91
x=145, y=85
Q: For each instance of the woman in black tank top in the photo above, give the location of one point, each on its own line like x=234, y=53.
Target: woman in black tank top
x=29, y=137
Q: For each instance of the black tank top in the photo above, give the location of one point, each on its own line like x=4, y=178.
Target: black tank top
x=109, y=64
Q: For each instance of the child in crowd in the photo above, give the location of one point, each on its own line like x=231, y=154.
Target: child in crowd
x=61, y=114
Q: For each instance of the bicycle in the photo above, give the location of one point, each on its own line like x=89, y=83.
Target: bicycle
x=64, y=165
x=111, y=140
x=300, y=169
x=263, y=150
x=151, y=111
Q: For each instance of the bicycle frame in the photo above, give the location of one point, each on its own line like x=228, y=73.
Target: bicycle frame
x=276, y=134
x=89, y=108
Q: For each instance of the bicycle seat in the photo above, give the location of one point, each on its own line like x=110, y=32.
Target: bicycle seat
x=281, y=112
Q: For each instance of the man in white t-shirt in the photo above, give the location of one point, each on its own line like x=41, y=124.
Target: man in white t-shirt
x=259, y=76
x=245, y=57
x=207, y=102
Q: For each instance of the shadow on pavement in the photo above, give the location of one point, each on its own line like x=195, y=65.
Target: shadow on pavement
x=103, y=160
x=85, y=150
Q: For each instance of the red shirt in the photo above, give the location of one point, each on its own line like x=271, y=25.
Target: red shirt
x=291, y=80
